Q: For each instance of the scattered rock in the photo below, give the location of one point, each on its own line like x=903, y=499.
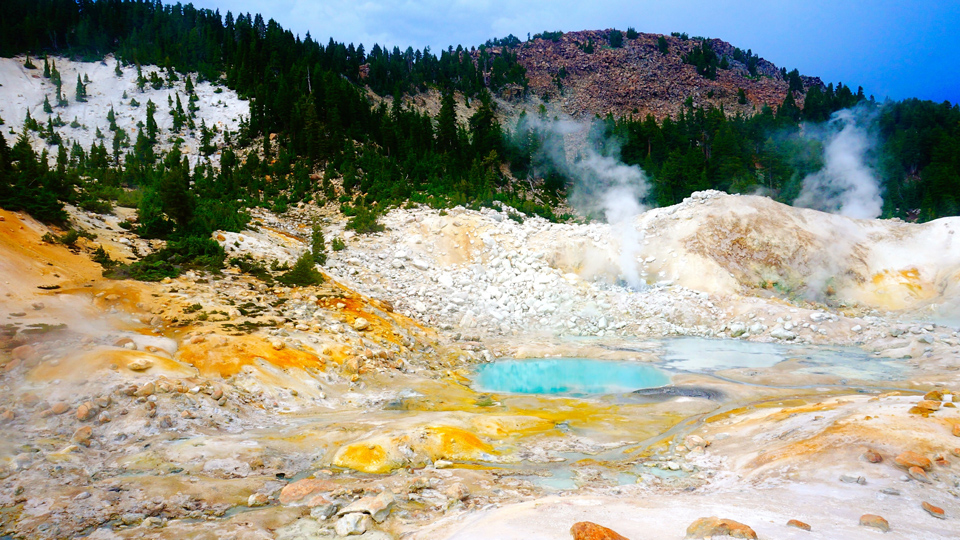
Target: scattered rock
x=165, y=422
x=853, y=479
x=355, y=523
x=82, y=436
x=377, y=507
x=457, y=492
x=933, y=395
x=912, y=459
x=934, y=511
x=324, y=511
x=919, y=475
x=956, y=430
x=928, y=404
x=140, y=364
x=872, y=456
x=126, y=343
x=714, y=526
x=86, y=411
x=875, y=521
x=361, y=324
x=131, y=518
x=798, y=524
x=257, y=499
x=295, y=491
x=147, y=389
x=59, y=408
x=586, y=530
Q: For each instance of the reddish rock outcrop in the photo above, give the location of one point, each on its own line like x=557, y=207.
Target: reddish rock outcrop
x=586, y=530
x=912, y=459
x=638, y=79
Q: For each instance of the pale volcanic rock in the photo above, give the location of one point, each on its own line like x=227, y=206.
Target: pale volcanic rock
x=299, y=490
x=714, y=526
x=874, y=521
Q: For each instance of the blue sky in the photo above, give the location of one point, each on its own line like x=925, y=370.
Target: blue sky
x=898, y=49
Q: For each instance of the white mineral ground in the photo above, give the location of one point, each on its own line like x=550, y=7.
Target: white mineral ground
x=215, y=406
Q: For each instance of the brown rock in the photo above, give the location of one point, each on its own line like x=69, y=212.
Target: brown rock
x=934, y=511
x=912, y=459
x=928, y=404
x=126, y=343
x=103, y=402
x=59, y=408
x=86, y=411
x=146, y=390
x=798, y=524
x=82, y=436
x=919, y=475
x=586, y=530
x=29, y=399
x=140, y=364
x=7, y=416
x=934, y=395
x=872, y=456
x=714, y=526
x=165, y=422
x=956, y=430
x=457, y=492
x=300, y=489
x=875, y=521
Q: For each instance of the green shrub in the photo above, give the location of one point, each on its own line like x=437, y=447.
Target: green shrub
x=303, y=273
x=191, y=252
x=101, y=257
x=337, y=244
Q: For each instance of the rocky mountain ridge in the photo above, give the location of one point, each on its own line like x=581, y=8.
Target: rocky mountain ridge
x=639, y=79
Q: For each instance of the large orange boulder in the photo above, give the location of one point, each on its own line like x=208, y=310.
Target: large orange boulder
x=586, y=530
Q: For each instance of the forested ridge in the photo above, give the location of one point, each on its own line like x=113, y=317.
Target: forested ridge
x=311, y=96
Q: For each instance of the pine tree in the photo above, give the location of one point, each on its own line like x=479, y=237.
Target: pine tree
x=47, y=108
x=318, y=246
x=117, y=70
x=112, y=118
x=81, y=90
x=152, y=128
x=46, y=68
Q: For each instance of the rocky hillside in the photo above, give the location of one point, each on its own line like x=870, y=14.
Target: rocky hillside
x=637, y=78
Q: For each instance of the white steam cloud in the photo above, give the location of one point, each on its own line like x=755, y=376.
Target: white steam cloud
x=601, y=184
x=619, y=188
x=845, y=185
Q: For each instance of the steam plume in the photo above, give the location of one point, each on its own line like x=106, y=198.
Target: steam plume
x=845, y=185
x=601, y=184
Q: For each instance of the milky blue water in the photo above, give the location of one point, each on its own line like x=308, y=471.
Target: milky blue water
x=575, y=376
